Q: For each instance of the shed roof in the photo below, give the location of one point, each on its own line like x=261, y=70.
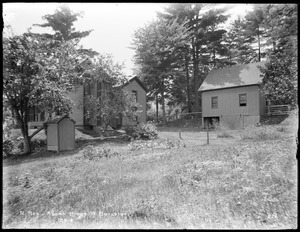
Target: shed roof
x=138, y=81
x=57, y=119
x=235, y=76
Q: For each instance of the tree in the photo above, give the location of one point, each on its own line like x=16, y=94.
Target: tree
x=239, y=43
x=255, y=27
x=113, y=99
x=38, y=74
x=280, y=74
x=62, y=23
x=158, y=51
x=204, y=45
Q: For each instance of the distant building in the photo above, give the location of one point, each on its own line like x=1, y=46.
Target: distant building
x=134, y=85
x=231, y=95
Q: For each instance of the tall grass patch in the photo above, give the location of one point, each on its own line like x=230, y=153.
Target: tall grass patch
x=223, y=130
x=241, y=185
x=259, y=133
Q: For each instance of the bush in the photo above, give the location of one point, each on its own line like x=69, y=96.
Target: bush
x=93, y=153
x=142, y=131
x=7, y=148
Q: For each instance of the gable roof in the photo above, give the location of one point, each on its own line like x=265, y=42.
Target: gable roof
x=57, y=119
x=138, y=81
x=240, y=75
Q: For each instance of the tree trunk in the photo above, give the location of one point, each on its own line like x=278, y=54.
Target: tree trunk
x=156, y=96
x=258, y=37
x=188, y=84
x=196, y=78
x=27, y=146
x=163, y=102
x=26, y=137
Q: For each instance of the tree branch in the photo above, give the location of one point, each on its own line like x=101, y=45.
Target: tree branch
x=37, y=131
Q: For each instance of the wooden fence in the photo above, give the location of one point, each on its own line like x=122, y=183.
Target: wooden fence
x=277, y=110
x=183, y=115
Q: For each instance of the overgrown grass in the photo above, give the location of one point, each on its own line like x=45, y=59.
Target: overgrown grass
x=260, y=133
x=223, y=130
x=163, y=183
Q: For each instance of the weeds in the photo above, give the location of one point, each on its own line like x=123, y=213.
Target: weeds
x=156, y=144
x=224, y=134
x=94, y=153
x=282, y=129
x=248, y=185
x=222, y=130
x=259, y=133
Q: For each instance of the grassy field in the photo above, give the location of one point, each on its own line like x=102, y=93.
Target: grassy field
x=243, y=179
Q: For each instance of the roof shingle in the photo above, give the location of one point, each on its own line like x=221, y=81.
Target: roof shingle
x=239, y=75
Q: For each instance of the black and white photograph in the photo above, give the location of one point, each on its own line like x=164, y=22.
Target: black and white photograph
x=150, y=116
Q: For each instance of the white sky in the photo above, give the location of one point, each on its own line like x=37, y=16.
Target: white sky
x=113, y=23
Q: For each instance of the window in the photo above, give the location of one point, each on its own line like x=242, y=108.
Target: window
x=134, y=92
x=243, y=99
x=31, y=117
x=214, y=102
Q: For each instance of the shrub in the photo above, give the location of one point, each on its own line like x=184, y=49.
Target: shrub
x=94, y=153
x=12, y=146
x=7, y=148
x=142, y=131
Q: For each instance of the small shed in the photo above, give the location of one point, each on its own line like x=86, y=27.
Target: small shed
x=61, y=133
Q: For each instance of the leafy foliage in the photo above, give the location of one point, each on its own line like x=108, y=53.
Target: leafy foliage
x=111, y=99
x=158, y=51
x=239, y=43
x=62, y=22
x=40, y=75
x=280, y=74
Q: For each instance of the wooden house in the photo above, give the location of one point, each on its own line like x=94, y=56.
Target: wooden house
x=134, y=85
x=231, y=96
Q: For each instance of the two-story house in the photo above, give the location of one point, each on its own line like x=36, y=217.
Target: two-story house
x=134, y=85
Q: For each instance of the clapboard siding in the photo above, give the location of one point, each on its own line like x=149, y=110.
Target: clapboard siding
x=229, y=110
x=77, y=113
x=141, y=96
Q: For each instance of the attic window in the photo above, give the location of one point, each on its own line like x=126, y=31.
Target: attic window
x=214, y=102
x=134, y=92
x=243, y=99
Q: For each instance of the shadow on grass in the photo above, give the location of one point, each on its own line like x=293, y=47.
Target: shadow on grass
x=43, y=153
x=176, y=129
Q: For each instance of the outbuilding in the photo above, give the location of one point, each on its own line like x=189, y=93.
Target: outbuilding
x=231, y=95
x=61, y=134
